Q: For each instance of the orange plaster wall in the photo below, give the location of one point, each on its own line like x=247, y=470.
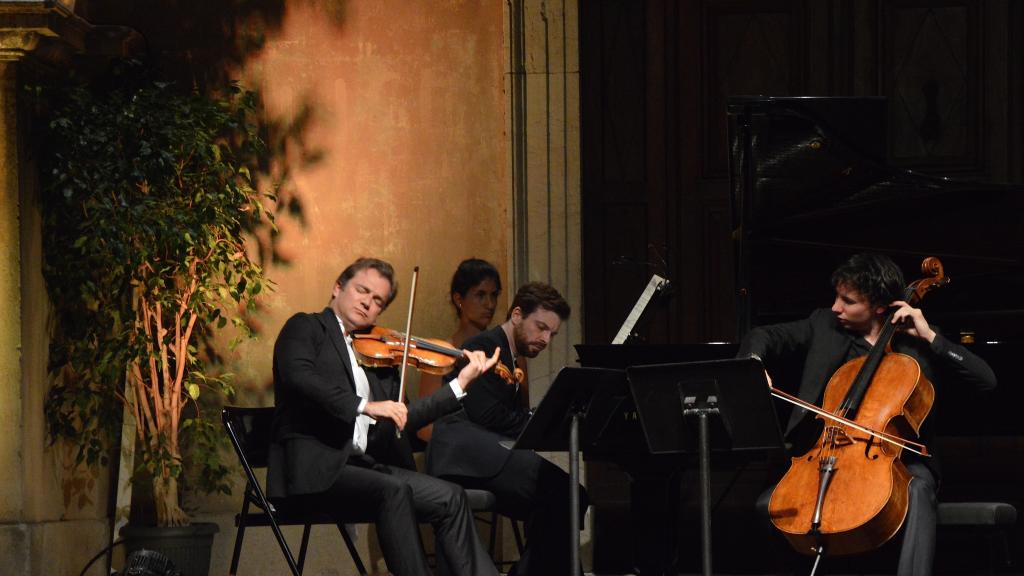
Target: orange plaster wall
x=409, y=110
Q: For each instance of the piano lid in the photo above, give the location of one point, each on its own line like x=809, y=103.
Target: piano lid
x=810, y=187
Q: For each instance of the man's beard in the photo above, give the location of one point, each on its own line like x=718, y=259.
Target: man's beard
x=522, y=346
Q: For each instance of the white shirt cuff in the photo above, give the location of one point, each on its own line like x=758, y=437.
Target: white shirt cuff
x=459, y=392
x=362, y=406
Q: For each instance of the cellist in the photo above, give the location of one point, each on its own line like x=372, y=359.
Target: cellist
x=867, y=287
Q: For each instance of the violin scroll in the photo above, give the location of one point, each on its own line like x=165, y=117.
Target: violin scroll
x=934, y=277
x=516, y=376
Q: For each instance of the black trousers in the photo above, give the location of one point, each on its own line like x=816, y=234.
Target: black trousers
x=532, y=489
x=917, y=552
x=917, y=536
x=396, y=500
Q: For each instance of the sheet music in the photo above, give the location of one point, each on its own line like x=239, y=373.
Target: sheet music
x=656, y=283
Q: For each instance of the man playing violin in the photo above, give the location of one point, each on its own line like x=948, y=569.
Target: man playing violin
x=867, y=287
x=334, y=445
x=469, y=447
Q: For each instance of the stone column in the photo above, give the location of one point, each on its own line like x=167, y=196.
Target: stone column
x=11, y=418
x=51, y=521
x=544, y=118
x=544, y=126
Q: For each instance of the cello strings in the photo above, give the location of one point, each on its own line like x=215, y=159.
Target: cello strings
x=910, y=445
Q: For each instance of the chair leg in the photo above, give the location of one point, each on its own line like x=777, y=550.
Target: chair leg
x=1004, y=547
x=352, y=550
x=303, y=546
x=238, y=546
x=237, y=554
x=494, y=534
x=518, y=535
x=284, y=548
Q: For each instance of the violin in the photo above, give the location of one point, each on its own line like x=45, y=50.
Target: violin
x=849, y=493
x=383, y=347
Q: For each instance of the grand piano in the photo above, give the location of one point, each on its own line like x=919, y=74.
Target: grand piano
x=810, y=186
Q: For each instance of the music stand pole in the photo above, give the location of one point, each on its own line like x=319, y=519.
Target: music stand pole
x=555, y=426
x=701, y=411
x=732, y=407
x=574, y=493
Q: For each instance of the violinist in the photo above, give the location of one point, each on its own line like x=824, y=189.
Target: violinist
x=469, y=446
x=867, y=287
x=334, y=448
x=474, y=292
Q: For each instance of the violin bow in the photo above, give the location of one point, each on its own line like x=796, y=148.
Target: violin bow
x=903, y=443
x=405, y=345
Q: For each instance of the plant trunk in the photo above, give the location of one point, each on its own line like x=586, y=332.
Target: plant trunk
x=165, y=497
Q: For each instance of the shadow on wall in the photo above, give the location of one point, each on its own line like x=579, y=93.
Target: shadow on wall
x=203, y=46
x=204, y=43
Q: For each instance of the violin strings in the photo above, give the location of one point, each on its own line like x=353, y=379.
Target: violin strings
x=426, y=345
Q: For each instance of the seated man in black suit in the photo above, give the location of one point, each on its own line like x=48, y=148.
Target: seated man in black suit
x=867, y=287
x=466, y=446
x=334, y=445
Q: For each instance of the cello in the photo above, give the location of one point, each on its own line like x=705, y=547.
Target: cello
x=849, y=493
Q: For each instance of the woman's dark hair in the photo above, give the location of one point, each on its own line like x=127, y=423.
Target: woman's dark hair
x=875, y=276
x=535, y=295
x=382, y=268
x=471, y=272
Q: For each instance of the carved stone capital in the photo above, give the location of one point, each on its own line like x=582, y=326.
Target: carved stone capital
x=15, y=44
x=28, y=25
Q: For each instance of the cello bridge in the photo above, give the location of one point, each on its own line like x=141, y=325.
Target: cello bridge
x=837, y=436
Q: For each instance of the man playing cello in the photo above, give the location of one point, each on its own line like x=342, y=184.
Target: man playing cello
x=867, y=287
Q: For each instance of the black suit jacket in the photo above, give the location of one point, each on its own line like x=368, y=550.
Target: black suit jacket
x=316, y=408
x=826, y=346
x=468, y=442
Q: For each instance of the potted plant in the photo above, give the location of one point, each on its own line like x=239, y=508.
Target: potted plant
x=147, y=192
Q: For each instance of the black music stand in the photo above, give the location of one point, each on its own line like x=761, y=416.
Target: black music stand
x=573, y=414
x=672, y=399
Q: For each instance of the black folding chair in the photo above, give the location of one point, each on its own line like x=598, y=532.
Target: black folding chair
x=249, y=430
x=484, y=505
x=484, y=502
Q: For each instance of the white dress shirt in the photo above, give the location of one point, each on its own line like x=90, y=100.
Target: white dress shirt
x=363, y=422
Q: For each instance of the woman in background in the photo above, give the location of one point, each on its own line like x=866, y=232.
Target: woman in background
x=474, y=293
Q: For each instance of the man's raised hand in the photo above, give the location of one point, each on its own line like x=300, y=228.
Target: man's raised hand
x=477, y=363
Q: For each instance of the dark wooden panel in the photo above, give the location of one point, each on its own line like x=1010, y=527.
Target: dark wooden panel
x=751, y=47
x=931, y=73
x=719, y=318
x=613, y=102
x=626, y=272
x=627, y=211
